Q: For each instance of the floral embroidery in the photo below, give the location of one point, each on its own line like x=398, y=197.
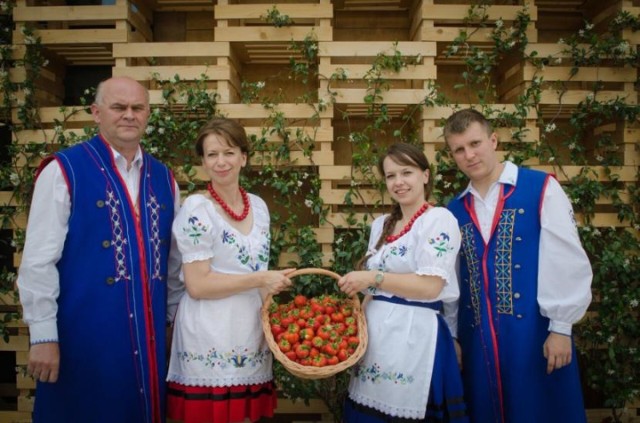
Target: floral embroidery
x=373, y=374
x=228, y=237
x=441, y=243
x=196, y=230
x=244, y=253
x=238, y=357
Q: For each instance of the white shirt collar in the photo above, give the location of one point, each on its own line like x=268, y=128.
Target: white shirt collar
x=509, y=176
x=122, y=161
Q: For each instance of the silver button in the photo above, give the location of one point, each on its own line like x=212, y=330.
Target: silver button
x=517, y=266
x=516, y=295
x=520, y=211
x=519, y=316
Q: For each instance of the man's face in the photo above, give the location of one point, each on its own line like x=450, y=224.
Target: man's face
x=474, y=152
x=122, y=113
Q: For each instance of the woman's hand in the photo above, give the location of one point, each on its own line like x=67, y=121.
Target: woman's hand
x=274, y=281
x=354, y=282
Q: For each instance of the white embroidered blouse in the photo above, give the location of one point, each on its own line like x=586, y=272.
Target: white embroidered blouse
x=219, y=342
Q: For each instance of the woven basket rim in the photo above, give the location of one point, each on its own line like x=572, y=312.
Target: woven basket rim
x=311, y=372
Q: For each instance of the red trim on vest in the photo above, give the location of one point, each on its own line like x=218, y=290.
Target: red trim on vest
x=469, y=206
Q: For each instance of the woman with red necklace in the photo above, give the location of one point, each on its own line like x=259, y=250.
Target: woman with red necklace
x=409, y=371
x=221, y=367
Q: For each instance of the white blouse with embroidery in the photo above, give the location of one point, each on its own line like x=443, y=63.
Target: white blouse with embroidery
x=394, y=375
x=219, y=342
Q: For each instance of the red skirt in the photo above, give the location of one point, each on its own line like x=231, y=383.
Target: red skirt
x=199, y=404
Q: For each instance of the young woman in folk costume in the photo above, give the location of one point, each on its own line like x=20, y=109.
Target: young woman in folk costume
x=410, y=370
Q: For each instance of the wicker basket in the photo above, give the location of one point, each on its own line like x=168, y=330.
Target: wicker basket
x=311, y=372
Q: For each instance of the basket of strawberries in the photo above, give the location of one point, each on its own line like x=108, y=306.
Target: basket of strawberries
x=315, y=337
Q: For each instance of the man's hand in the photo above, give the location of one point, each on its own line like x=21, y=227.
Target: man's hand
x=44, y=361
x=456, y=346
x=557, y=351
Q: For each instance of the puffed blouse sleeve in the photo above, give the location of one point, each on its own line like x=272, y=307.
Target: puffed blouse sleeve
x=438, y=238
x=194, y=229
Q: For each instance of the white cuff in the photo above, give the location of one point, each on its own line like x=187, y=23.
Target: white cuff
x=45, y=331
x=560, y=327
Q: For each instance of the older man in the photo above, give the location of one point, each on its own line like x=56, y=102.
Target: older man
x=98, y=267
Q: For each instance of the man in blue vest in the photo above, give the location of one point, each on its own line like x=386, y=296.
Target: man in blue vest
x=525, y=280
x=98, y=268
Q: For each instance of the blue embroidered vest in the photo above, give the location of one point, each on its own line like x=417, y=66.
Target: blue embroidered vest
x=113, y=292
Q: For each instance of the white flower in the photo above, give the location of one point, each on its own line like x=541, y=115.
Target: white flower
x=308, y=203
x=299, y=183
x=438, y=177
x=87, y=91
x=596, y=232
x=589, y=27
x=454, y=49
x=550, y=127
x=161, y=131
x=4, y=6
x=26, y=91
x=561, y=41
x=590, y=96
x=260, y=84
x=572, y=146
x=581, y=33
x=551, y=158
x=45, y=63
x=15, y=179
x=599, y=158
x=58, y=129
x=499, y=23
x=633, y=303
x=611, y=339
x=149, y=130
x=610, y=372
x=558, y=60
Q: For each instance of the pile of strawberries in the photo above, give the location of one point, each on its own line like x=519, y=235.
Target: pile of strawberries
x=318, y=331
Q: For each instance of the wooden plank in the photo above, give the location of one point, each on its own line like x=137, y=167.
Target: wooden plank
x=76, y=36
x=172, y=49
x=563, y=174
x=478, y=35
x=393, y=96
x=563, y=73
x=572, y=97
x=452, y=12
x=7, y=199
x=271, y=34
x=600, y=220
x=373, y=48
x=71, y=13
x=254, y=11
x=412, y=72
x=16, y=343
x=187, y=72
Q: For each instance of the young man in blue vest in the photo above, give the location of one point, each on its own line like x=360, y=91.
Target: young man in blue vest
x=98, y=267
x=525, y=280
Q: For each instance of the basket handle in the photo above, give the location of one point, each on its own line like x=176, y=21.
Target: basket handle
x=314, y=271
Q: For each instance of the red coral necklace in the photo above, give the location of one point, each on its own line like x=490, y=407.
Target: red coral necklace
x=409, y=224
x=225, y=206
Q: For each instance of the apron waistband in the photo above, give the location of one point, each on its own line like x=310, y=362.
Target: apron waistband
x=436, y=305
